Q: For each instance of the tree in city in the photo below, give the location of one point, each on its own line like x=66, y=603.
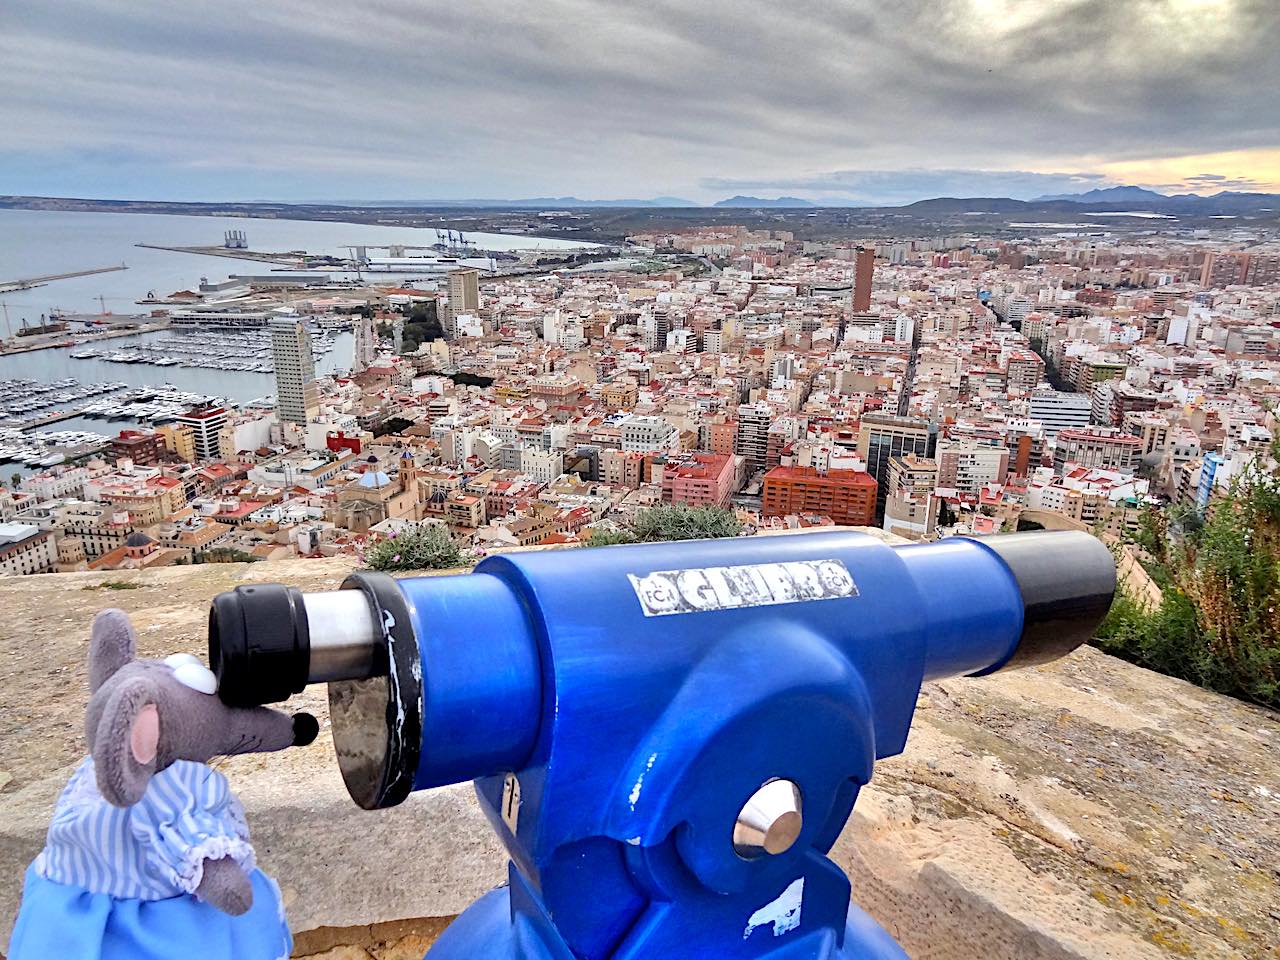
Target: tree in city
x=392, y=425
x=946, y=516
x=422, y=325
x=427, y=547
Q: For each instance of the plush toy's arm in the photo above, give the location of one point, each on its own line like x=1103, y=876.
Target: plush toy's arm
x=226, y=886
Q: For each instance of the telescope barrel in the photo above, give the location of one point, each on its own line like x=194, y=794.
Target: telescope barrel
x=1065, y=581
x=440, y=679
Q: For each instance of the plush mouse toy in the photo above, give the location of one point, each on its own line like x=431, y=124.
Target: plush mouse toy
x=148, y=854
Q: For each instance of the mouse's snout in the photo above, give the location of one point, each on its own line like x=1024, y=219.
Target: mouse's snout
x=305, y=729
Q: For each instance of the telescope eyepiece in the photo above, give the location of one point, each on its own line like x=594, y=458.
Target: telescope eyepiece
x=259, y=644
x=268, y=641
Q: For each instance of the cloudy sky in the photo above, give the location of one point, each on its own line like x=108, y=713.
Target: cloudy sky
x=880, y=101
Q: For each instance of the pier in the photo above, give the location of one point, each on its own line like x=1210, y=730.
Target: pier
x=30, y=283
x=235, y=253
x=43, y=421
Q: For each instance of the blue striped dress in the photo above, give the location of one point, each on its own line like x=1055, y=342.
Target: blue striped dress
x=117, y=882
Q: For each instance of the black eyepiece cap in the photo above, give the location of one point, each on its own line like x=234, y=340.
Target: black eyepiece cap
x=259, y=644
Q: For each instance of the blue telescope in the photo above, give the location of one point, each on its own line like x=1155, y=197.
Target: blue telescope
x=668, y=738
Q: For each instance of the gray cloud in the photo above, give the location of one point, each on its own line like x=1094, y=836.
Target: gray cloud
x=1212, y=182
x=399, y=97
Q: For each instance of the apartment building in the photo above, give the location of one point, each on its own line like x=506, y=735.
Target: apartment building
x=846, y=496
x=26, y=549
x=699, y=479
x=1101, y=447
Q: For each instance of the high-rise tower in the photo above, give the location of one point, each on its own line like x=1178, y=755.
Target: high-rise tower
x=464, y=291
x=297, y=398
x=365, y=349
x=863, y=272
x=881, y=437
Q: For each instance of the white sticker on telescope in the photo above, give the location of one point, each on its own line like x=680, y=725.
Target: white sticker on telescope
x=750, y=585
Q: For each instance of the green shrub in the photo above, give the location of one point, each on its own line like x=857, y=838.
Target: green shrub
x=421, y=548
x=677, y=521
x=608, y=538
x=672, y=521
x=1219, y=622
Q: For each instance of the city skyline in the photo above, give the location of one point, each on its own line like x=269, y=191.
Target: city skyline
x=848, y=103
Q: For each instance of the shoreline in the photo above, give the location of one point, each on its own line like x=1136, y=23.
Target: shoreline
x=403, y=217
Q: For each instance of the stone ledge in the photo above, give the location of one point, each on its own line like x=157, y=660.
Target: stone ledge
x=393, y=940
x=1088, y=809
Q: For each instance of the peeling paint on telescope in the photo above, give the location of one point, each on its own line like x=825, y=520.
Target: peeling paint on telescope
x=702, y=589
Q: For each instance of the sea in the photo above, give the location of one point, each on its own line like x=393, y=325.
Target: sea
x=38, y=243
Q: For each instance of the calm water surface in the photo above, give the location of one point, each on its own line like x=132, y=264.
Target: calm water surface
x=37, y=243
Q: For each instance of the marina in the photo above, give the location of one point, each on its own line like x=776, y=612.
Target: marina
x=248, y=352
x=45, y=449
x=20, y=398
x=25, y=404
x=149, y=405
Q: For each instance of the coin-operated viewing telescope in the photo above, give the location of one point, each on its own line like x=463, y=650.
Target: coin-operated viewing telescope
x=668, y=738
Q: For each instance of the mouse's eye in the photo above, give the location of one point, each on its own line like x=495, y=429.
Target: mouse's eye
x=190, y=672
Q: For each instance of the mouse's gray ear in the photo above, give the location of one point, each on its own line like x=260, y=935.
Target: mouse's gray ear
x=111, y=646
x=127, y=741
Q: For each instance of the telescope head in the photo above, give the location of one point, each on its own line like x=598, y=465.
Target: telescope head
x=683, y=723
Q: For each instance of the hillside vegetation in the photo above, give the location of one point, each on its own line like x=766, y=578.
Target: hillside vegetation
x=1219, y=622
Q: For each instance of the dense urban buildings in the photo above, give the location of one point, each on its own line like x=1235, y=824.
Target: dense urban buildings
x=931, y=386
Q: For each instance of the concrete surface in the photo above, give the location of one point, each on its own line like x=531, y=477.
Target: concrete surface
x=1088, y=809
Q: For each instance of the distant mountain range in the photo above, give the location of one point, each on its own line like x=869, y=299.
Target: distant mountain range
x=569, y=202
x=1113, y=201
x=740, y=201
x=1107, y=195
x=545, y=203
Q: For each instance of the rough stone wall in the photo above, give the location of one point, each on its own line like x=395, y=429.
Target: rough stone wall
x=1088, y=809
